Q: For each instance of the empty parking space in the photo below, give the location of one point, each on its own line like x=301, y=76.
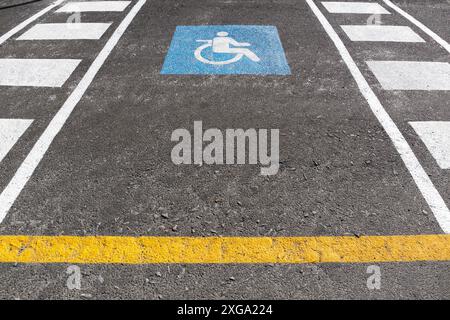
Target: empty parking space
x=331, y=181
x=115, y=140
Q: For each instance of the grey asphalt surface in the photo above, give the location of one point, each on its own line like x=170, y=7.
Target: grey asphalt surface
x=109, y=170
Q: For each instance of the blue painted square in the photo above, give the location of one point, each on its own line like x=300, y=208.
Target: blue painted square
x=230, y=49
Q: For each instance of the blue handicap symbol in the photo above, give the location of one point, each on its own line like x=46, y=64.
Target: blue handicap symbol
x=230, y=49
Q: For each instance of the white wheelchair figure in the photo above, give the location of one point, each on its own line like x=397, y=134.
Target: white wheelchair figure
x=221, y=44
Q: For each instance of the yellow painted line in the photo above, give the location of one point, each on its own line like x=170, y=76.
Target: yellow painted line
x=148, y=250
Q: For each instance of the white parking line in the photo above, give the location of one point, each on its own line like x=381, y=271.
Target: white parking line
x=381, y=33
x=436, y=136
x=65, y=31
x=24, y=24
x=10, y=131
x=95, y=6
x=420, y=25
x=26, y=169
x=411, y=75
x=36, y=72
x=423, y=181
x=354, y=7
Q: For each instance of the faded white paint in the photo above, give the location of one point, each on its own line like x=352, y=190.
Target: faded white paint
x=65, y=31
x=95, y=6
x=354, y=7
x=436, y=136
x=36, y=72
x=411, y=75
x=381, y=33
x=10, y=131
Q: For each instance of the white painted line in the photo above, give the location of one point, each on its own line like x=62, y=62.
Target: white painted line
x=411, y=75
x=420, y=25
x=36, y=72
x=18, y=28
x=95, y=6
x=65, y=31
x=423, y=181
x=381, y=33
x=354, y=7
x=436, y=136
x=10, y=131
x=26, y=169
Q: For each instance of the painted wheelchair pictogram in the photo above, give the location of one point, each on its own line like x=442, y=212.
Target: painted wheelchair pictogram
x=221, y=44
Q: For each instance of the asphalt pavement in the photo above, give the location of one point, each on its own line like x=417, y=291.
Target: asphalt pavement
x=104, y=167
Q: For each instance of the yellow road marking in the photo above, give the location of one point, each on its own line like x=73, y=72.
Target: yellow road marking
x=148, y=250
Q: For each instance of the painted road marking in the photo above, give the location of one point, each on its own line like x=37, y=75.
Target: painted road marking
x=421, y=178
x=10, y=131
x=95, y=6
x=36, y=72
x=381, y=33
x=228, y=49
x=420, y=25
x=65, y=31
x=436, y=137
x=354, y=7
x=411, y=75
x=26, y=169
x=149, y=250
x=24, y=24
